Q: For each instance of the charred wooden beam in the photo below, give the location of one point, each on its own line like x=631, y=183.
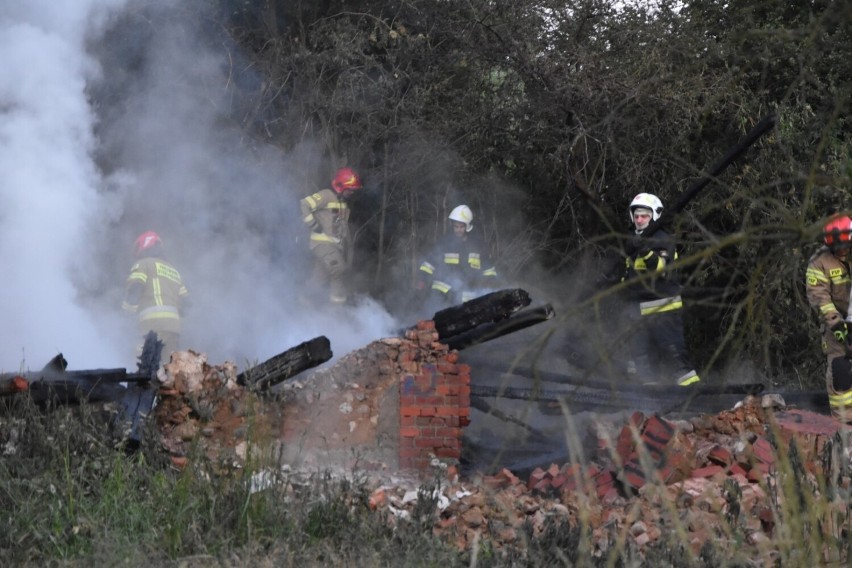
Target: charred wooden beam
x=489, y=308
x=287, y=364
x=489, y=331
x=70, y=386
x=554, y=380
x=133, y=392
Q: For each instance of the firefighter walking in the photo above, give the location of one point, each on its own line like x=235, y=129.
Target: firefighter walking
x=655, y=306
x=828, y=286
x=326, y=213
x=154, y=291
x=459, y=267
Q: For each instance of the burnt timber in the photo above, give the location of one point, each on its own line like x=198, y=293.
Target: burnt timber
x=286, y=365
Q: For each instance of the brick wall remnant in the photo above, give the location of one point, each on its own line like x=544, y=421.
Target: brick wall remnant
x=434, y=395
x=396, y=403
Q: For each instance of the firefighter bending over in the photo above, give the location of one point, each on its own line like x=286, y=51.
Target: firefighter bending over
x=326, y=214
x=828, y=287
x=655, y=307
x=459, y=267
x=154, y=291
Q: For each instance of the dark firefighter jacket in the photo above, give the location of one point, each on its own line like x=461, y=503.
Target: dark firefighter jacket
x=456, y=266
x=655, y=289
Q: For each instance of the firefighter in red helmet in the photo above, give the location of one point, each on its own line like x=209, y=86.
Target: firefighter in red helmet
x=326, y=213
x=154, y=291
x=828, y=287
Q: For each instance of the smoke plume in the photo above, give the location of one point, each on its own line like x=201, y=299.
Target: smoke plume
x=116, y=119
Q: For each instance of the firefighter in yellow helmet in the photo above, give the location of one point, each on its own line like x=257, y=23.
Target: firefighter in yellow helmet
x=459, y=267
x=655, y=306
x=326, y=214
x=828, y=286
x=155, y=291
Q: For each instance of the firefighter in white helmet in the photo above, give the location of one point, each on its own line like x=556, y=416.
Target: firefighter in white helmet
x=155, y=292
x=326, y=214
x=459, y=268
x=655, y=307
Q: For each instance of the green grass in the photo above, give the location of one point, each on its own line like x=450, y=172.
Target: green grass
x=70, y=497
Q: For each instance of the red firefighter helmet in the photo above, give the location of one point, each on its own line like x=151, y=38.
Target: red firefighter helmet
x=837, y=233
x=145, y=241
x=345, y=179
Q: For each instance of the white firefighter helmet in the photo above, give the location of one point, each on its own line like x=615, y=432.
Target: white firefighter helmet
x=646, y=201
x=463, y=214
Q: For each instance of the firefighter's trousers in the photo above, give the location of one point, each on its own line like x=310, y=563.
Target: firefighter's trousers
x=331, y=268
x=838, y=377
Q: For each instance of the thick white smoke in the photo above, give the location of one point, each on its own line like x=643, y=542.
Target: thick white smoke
x=48, y=181
x=110, y=128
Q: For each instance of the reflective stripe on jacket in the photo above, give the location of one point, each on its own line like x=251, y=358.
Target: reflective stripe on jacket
x=827, y=286
x=161, y=291
x=649, y=281
x=328, y=218
x=457, y=264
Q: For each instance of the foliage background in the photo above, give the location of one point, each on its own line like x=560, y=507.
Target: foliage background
x=546, y=118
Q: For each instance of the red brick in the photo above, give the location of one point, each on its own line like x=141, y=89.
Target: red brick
x=707, y=472
x=452, y=357
x=537, y=475
x=624, y=444
x=656, y=434
x=464, y=368
x=604, y=483
x=634, y=476
x=609, y=496
x=447, y=411
x=569, y=485
x=448, y=432
x=409, y=432
x=409, y=411
x=737, y=469
x=755, y=474
x=637, y=419
x=807, y=422
x=542, y=485
x=763, y=451
x=428, y=411
x=425, y=325
x=721, y=456
x=427, y=443
x=428, y=400
x=464, y=390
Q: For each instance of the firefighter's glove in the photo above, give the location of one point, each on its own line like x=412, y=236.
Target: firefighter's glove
x=841, y=332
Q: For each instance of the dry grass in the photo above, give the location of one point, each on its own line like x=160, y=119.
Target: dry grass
x=70, y=497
